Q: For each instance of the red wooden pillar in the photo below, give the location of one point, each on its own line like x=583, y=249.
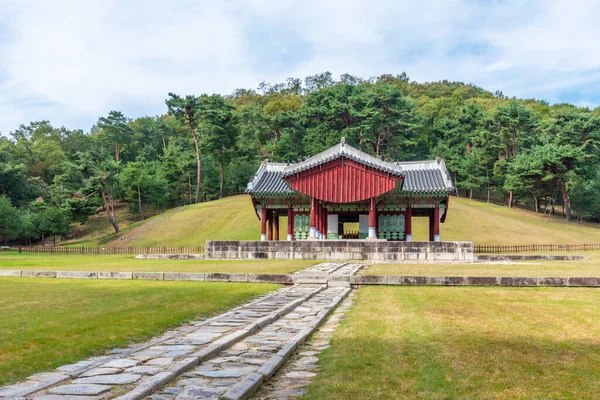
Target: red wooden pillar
x=373, y=219
x=436, y=223
x=290, y=231
x=319, y=220
x=408, y=224
x=325, y=222
x=263, y=223
x=313, y=218
x=270, y=219
x=275, y=225
x=431, y=225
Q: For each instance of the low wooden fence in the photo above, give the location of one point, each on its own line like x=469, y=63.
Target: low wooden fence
x=478, y=248
x=113, y=250
x=524, y=248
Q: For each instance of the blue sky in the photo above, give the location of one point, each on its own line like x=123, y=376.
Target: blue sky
x=72, y=61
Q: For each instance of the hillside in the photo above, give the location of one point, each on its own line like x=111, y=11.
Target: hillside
x=233, y=218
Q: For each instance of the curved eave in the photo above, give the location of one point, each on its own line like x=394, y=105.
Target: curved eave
x=272, y=194
x=442, y=192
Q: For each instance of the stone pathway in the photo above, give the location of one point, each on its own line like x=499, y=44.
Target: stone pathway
x=294, y=377
x=228, y=356
x=331, y=268
x=240, y=370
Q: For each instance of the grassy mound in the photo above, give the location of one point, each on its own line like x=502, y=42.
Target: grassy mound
x=233, y=218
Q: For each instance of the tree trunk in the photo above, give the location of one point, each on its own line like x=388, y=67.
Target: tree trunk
x=275, y=140
x=510, y=199
x=566, y=200
x=456, y=184
x=536, y=207
x=164, y=145
x=140, y=202
x=198, y=167
x=222, y=182
x=54, y=240
x=361, y=141
x=117, y=151
x=110, y=210
x=190, y=187
x=487, y=176
x=471, y=194
x=378, y=145
x=43, y=240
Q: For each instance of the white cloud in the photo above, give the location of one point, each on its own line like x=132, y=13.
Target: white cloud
x=72, y=61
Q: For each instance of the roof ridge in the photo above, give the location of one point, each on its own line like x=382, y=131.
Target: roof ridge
x=343, y=150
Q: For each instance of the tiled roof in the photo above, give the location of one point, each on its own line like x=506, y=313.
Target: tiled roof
x=425, y=180
x=426, y=176
x=420, y=177
x=343, y=150
x=268, y=181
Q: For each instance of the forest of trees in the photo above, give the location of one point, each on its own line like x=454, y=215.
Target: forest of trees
x=204, y=147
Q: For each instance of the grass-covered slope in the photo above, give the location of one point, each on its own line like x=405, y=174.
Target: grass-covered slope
x=233, y=218
x=489, y=223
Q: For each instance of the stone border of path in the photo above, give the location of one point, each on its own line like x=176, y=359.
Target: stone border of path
x=527, y=257
x=333, y=280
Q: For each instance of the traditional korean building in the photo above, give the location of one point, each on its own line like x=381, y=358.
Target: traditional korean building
x=326, y=195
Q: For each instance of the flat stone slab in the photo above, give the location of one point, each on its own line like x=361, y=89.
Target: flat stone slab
x=67, y=397
x=9, y=272
x=219, y=374
x=121, y=363
x=80, y=389
x=160, y=361
x=300, y=374
x=118, y=379
x=115, y=275
x=199, y=392
x=144, y=370
x=193, y=382
x=100, y=371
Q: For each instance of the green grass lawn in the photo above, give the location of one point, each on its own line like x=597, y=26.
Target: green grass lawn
x=75, y=262
x=464, y=343
x=45, y=323
x=590, y=267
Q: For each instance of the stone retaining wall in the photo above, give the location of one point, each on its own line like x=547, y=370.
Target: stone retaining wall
x=528, y=257
x=171, y=256
x=475, y=281
x=377, y=250
x=332, y=280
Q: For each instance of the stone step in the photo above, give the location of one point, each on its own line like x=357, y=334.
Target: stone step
x=314, y=280
x=138, y=370
x=345, y=284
